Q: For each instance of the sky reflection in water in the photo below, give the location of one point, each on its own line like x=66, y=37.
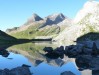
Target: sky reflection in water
x=16, y=60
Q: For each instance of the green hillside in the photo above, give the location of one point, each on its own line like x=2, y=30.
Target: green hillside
x=35, y=30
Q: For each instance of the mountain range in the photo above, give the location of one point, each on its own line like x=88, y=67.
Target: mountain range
x=51, y=25
x=59, y=26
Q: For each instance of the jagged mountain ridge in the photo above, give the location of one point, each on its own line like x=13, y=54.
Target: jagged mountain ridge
x=37, y=26
x=55, y=19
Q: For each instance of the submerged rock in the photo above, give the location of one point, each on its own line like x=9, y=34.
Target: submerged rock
x=67, y=73
x=23, y=70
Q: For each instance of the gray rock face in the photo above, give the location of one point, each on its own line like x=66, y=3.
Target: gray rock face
x=54, y=19
x=57, y=22
x=34, y=18
x=67, y=73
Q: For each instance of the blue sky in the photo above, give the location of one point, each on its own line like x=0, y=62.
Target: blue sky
x=14, y=13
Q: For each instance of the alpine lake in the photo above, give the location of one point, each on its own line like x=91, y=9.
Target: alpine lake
x=33, y=55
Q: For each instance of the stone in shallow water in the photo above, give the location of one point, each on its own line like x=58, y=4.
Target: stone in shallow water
x=16, y=71
x=67, y=73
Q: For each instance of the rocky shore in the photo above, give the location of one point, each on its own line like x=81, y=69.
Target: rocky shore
x=81, y=48
x=85, y=53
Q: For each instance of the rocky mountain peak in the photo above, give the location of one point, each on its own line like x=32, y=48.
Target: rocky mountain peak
x=34, y=18
x=55, y=18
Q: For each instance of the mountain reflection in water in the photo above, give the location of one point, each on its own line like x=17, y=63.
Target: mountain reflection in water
x=33, y=55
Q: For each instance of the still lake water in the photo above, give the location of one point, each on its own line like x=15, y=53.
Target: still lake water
x=32, y=55
x=41, y=69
